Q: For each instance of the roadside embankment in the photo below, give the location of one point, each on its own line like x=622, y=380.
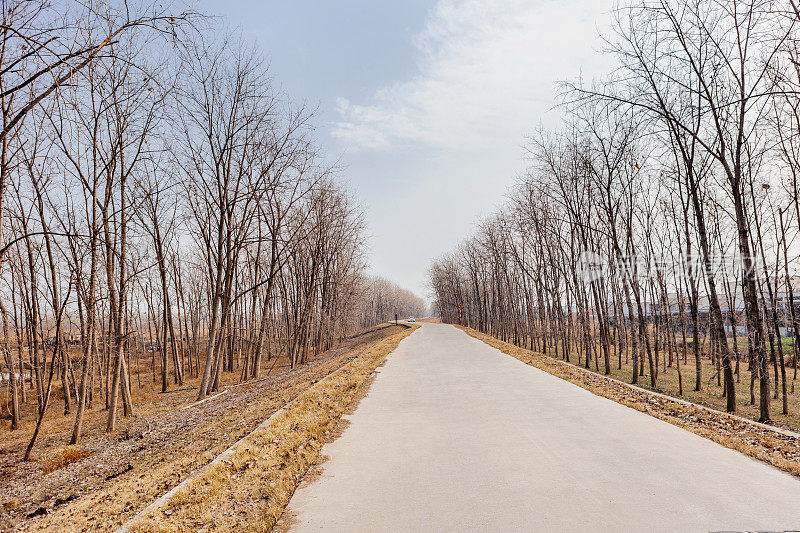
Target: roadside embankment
x=249, y=485
x=778, y=447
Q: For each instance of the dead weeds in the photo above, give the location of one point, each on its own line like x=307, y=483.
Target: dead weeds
x=65, y=457
x=151, y=453
x=249, y=489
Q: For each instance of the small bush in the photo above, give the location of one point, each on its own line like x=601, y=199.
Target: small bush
x=65, y=457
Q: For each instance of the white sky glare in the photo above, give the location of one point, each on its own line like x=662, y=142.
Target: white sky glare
x=426, y=104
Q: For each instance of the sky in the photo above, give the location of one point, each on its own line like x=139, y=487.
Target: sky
x=424, y=104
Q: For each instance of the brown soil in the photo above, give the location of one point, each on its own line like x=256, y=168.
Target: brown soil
x=108, y=478
x=249, y=486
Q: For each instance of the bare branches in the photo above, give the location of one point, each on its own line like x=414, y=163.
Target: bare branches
x=162, y=203
x=666, y=171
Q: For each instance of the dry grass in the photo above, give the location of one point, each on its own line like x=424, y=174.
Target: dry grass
x=249, y=489
x=65, y=457
x=148, y=401
x=780, y=449
x=150, y=453
x=710, y=393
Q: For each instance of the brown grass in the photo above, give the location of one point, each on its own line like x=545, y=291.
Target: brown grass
x=780, y=449
x=710, y=393
x=152, y=452
x=64, y=457
x=249, y=489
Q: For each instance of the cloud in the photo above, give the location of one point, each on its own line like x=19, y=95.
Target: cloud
x=486, y=75
x=437, y=149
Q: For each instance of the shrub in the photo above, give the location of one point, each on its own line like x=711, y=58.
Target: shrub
x=65, y=457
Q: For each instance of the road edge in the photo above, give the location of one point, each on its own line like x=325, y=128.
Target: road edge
x=777, y=447
x=147, y=520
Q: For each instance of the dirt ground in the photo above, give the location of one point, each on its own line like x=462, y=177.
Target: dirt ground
x=249, y=486
x=122, y=472
x=710, y=393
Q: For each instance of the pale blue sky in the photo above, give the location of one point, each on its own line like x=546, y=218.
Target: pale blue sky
x=426, y=103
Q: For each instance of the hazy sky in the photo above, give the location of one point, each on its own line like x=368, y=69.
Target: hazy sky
x=425, y=103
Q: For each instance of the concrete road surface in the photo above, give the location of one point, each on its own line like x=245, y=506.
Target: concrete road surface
x=456, y=436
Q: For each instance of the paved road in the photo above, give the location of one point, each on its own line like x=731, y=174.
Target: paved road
x=456, y=436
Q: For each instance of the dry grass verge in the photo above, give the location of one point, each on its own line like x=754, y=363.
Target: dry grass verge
x=249, y=488
x=776, y=447
x=152, y=452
